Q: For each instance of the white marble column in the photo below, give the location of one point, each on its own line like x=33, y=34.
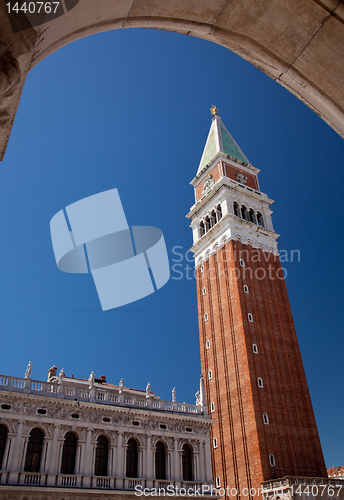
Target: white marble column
x=119, y=461
x=201, y=461
x=14, y=451
x=77, y=458
x=52, y=456
x=82, y=444
x=86, y=471
x=195, y=466
x=45, y=446
x=208, y=468
x=176, y=464
x=149, y=462
x=148, y=472
x=22, y=452
x=9, y=442
x=112, y=459
x=169, y=464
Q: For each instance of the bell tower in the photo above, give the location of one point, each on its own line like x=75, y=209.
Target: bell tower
x=256, y=389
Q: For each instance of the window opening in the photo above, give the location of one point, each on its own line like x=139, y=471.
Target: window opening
x=102, y=452
x=132, y=456
x=3, y=439
x=160, y=461
x=34, y=451
x=187, y=463
x=69, y=453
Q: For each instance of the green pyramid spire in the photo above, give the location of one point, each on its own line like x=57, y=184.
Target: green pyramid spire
x=219, y=140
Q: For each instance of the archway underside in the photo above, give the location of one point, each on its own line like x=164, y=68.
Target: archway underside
x=298, y=44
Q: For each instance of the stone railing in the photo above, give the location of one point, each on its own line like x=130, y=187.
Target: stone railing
x=302, y=488
x=76, y=481
x=79, y=390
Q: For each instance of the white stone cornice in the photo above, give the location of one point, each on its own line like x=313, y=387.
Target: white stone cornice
x=229, y=228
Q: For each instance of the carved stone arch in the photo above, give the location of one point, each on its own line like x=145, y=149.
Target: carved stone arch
x=47, y=429
x=270, y=249
x=189, y=442
x=5, y=424
x=260, y=245
x=65, y=430
x=137, y=437
x=169, y=443
x=33, y=425
x=224, y=240
x=111, y=436
x=155, y=439
x=238, y=237
x=199, y=261
x=250, y=242
x=215, y=247
x=207, y=254
x=181, y=443
x=12, y=425
x=101, y=432
x=194, y=444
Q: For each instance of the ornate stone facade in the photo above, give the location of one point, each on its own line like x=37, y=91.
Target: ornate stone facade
x=89, y=410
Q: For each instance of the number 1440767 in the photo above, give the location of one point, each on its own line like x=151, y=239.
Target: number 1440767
x=33, y=7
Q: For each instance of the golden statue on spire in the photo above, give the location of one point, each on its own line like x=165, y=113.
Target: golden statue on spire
x=213, y=110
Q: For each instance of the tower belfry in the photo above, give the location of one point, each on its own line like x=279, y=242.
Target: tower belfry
x=256, y=389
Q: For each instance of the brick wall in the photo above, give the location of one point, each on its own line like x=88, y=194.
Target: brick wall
x=244, y=440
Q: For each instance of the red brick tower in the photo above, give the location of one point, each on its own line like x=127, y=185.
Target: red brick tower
x=256, y=388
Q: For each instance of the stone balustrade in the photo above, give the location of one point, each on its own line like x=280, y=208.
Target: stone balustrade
x=78, y=390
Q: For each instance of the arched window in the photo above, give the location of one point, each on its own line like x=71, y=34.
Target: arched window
x=255, y=348
x=160, y=461
x=187, y=463
x=236, y=209
x=252, y=216
x=245, y=288
x=260, y=382
x=201, y=229
x=3, y=437
x=132, y=456
x=265, y=419
x=250, y=317
x=213, y=218
x=207, y=224
x=244, y=213
x=272, y=460
x=34, y=451
x=218, y=212
x=101, y=464
x=260, y=219
x=69, y=453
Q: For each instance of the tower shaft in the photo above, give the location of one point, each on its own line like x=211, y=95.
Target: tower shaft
x=256, y=389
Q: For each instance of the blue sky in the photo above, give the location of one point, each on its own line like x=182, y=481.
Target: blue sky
x=129, y=110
